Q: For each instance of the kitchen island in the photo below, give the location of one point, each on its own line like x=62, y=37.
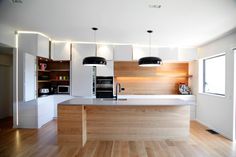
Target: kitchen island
x=82, y=119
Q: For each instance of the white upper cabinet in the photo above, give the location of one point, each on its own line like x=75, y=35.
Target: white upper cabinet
x=60, y=51
x=82, y=76
x=187, y=54
x=139, y=52
x=107, y=70
x=43, y=46
x=105, y=51
x=123, y=53
x=168, y=54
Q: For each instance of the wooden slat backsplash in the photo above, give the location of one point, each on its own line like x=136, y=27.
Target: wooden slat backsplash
x=150, y=81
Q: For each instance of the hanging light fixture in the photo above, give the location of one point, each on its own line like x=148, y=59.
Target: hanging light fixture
x=94, y=60
x=150, y=61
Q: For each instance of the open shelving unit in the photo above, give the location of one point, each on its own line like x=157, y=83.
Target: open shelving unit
x=56, y=73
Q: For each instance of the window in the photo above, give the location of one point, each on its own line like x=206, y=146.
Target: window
x=214, y=75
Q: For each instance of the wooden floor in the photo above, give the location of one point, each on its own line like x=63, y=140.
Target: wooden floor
x=42, y=143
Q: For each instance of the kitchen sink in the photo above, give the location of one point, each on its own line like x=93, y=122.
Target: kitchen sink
x=122, y=99
x=110, y=99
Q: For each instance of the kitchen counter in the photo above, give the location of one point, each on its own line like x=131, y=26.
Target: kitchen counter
x=129, y=102
x=83, y=119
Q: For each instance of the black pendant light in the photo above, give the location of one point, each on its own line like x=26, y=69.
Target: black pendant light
x=94, y=60
x=150, y=61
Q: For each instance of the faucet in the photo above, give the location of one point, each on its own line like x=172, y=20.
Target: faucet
x=118, y=87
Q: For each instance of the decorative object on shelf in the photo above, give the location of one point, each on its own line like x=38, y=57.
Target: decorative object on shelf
x=94, y=60
x=184, y=89
x=150, y=61
x=43, y=66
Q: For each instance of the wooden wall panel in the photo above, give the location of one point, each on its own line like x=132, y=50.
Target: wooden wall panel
x=137, y=123
x=150, y=80
x=71, y=124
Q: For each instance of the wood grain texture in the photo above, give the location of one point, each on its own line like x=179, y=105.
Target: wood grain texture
x=71, y=124
x=137, y=122
x=42, y=143
x=152, y=80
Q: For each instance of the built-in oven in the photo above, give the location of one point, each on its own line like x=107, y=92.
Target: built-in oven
x=104, y=87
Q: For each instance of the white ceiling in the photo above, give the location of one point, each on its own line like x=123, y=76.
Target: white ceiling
x=182, y=23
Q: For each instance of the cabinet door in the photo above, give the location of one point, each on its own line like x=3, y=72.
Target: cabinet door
x=45, y=110
x=107, y=70
x=43, y=47
x=105, y=51
x=60, y=51
x=168, y=54
x=187, y=54
x=139, y=52
x=29, y=77
x=123, y=53
x=82, y=76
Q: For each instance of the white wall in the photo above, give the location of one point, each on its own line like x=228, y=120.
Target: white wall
x=7, y=35
x=214, y=111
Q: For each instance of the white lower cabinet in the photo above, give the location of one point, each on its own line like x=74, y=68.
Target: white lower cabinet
x=45, y=110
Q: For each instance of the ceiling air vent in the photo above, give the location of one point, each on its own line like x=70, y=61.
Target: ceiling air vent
x=17, y=1
x=154, y=4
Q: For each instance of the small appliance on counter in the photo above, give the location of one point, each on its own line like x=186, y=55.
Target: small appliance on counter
x=44, y=91
x=63, y=89
x=53, y=89
x=104, y=87
x=184, y=89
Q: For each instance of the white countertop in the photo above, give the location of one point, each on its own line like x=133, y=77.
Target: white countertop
x=130, y=102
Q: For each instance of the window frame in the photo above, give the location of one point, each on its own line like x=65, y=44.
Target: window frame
x=204, y=74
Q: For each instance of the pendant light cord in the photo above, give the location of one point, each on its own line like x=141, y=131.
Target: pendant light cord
x=95, y=39
x=150, y=44
x=150, y=41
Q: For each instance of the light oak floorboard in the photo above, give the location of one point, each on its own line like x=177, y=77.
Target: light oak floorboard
x=43, y=143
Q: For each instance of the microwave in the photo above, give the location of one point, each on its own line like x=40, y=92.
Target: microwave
x=63, y=89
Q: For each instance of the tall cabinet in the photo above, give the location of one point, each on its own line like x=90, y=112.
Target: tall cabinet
x=31, y=110
x=82, y=76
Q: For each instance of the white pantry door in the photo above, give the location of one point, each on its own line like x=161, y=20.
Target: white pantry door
x=29, y=77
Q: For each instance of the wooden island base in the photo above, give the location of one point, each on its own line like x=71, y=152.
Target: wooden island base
x=79, y=123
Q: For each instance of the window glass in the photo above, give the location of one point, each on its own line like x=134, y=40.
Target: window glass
x=214, y=75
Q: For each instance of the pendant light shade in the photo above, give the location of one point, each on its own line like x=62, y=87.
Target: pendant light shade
x=94, y=60
x=149, y=61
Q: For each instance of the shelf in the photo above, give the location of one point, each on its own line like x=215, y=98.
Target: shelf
x=43, y=70
x=156, y=76
x=54, y=80
x=41, y=81
x=55, y=70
